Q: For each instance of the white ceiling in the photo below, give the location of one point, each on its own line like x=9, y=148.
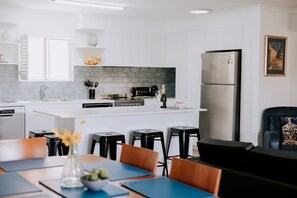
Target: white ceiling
x=154, y=9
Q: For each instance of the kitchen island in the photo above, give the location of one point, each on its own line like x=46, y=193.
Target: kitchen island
x=122, y=120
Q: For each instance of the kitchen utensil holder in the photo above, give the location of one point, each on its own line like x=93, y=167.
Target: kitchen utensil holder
x=91, y=93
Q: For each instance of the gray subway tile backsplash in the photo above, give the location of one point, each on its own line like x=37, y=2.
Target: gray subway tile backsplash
x=111, y=80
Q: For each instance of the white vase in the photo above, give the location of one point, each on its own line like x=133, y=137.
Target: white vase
x=5, y=36
x=72, y=170
x=92, y=40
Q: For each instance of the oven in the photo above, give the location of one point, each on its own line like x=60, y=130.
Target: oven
x=129, y=102
x=122, y=100
x=97, y=105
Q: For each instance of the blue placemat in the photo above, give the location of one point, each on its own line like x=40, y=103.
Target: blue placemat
x=20, y=165
x=165, y=187
x=108, y=191
x=40, y=196
x=14, y=184
x=118, y=170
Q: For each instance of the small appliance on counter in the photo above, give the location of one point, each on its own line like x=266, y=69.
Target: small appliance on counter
x=145, y=92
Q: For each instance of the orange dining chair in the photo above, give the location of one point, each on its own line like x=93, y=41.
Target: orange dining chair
x=140, y=157
x=201, y=176
x=19, y=149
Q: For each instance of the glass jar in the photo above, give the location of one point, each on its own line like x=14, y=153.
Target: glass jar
x=72, y=170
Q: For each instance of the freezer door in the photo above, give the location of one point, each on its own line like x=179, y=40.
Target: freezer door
x=219, y=68
x=219, y=120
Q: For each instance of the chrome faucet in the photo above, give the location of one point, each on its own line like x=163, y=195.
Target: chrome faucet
x=43, y=88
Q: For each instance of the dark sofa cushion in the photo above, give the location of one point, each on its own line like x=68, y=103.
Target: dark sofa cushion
x=229, y=154
x=279, y=165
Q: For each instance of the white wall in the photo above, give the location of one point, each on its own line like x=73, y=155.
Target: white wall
x=235, y=30
x=278, y=91
x=242, y=29
x=292, y=58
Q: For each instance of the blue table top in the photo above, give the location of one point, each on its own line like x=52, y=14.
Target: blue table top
x=20, y=165
x=118, y=170
x=13, y=184
x=108, y=191
x=165, y=187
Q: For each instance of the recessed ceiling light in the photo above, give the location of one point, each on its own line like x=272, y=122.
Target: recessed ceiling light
x=89, y=4
x=201, y=11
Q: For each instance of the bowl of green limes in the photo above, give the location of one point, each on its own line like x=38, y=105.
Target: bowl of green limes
x=95, y=180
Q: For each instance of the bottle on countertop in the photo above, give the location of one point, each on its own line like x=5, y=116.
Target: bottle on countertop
x=163, y=98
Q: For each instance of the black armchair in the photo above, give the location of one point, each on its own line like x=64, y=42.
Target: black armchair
x=272, y=127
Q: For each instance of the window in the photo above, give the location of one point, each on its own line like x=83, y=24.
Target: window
x=44, y=59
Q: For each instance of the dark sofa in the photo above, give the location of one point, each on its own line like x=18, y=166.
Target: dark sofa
x=272, y=135
x=250, y=171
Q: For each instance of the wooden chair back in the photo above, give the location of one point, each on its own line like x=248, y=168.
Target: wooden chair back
x=140, y=157
x=18, y=149
x=201, y=176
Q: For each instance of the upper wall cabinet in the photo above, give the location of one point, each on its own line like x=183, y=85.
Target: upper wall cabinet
x=128, y=48
x=44, y=59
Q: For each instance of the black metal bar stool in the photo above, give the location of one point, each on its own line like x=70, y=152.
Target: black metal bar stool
x=184, y=133
x=107, y=139
x=40, y=133
x=54, y=144
x=147, y=138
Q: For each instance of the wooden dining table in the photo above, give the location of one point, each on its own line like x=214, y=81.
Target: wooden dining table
x=36, y=175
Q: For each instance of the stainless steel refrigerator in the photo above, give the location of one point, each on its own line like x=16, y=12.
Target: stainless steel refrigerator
x=220, y=95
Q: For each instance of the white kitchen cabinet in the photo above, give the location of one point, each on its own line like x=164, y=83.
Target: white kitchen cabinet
x=141, y=49
x=82, y=49
x=44, y=59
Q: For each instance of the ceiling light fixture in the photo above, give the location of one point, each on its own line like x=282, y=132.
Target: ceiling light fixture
x=201, y=11
x=89, y=4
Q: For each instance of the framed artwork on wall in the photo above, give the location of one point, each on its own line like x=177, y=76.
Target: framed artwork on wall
x=275, y=55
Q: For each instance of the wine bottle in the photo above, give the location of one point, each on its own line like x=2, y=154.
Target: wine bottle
x=163, y=98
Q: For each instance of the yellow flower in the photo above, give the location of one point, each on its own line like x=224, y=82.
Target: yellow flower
x=76, y=137
x=68, y=137
x=57, y=133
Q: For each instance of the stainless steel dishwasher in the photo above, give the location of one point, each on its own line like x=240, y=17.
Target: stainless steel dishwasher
x=12, y=122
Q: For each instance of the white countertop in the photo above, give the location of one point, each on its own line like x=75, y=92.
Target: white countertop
x=50, y=101
x=111, y=111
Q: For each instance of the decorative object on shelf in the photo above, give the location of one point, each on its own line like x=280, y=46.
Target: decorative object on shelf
x=91, y=86
x=92, y=60
x=92, y=39
x=2, y=59
x=5, y=36
x=73, y=169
